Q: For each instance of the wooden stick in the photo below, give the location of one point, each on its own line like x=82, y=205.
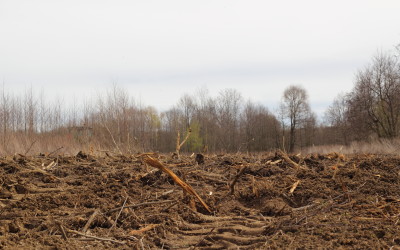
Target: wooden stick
x=178, y=144
x=294, y=187
x=187, y=137
x=90, y=220
x=232, y=185
x=305, y=207
x=141, y=204
x=94, y=237
x=178, y=139
x=167, y=208
x=143, y=229
x=60, y=226
x=51, y=165
x=155, y=163
x=141, y=243
x=273, y=162
x=55, y=151
x=29, y=149
x=288, y=160
x=120, y=211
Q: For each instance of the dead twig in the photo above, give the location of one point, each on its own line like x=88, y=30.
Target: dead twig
x=141, y=243
x=94, y=237
x=50, y=166
x=232, y=185
x=294, y=187
x=167, y=208
x=30, y=147
x=141, y=204
x=90, y=220
x=55, y=151
x=143, y=229
x=63, y=234
x=273, y=162
x=119, y=214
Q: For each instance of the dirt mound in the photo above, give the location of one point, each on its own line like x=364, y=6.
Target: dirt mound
x=328, y=201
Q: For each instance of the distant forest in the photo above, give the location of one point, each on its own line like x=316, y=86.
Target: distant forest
x=226, y=123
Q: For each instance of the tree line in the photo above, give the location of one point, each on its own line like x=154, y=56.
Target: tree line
x=224, y=123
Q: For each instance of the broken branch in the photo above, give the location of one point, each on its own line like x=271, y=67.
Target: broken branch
x=94, y=237
x=90, y=221
x=232, y=185
x=119, y=214
x=141, y=204
x=143, y=229
x=294, y=187
x=55, y=151
x=60, y=226
x=288, y=160
x=155, y=163
x=180, y=144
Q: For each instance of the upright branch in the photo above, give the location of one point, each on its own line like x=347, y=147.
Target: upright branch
x=180, y=144
x=232, y=185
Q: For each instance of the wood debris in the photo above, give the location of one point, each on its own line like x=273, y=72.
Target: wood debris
x=143, y=229
x=157, y=164
x=294, y=187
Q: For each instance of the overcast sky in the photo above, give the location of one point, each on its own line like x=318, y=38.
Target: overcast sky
x=159, y=50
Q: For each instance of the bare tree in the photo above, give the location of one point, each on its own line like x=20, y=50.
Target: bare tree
x=294, y=108
x=30, y=112
x=229, y=104
x=336, y=116
x=5, y=115
x=206, y=115
x=258, y=128
x=375, y=98
x=308, y=128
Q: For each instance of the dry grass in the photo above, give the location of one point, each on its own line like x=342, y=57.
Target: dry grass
x=69, y=144
x=382, y=146
x=45, y=144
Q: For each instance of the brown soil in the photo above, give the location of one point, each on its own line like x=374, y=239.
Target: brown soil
x=340, y=202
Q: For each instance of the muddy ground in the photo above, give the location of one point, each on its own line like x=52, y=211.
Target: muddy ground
x=59, y=202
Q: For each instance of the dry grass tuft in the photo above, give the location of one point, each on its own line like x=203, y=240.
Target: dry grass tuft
x=382, y=146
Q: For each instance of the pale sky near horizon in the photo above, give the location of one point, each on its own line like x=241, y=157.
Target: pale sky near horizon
x=159, y=50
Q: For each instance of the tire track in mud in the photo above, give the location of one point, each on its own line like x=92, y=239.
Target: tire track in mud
x=211, y=232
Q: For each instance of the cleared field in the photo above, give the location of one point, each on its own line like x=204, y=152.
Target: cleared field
x=256, y=201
